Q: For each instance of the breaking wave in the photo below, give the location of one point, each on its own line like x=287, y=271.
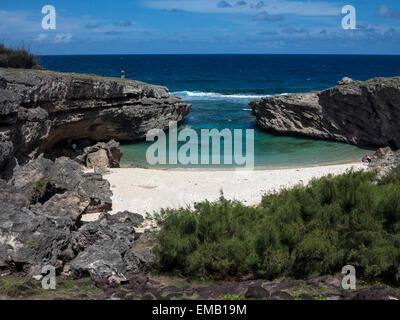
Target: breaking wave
x=199, y=95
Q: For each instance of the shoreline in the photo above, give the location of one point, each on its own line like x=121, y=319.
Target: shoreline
x=150, y=190
x=327, y=164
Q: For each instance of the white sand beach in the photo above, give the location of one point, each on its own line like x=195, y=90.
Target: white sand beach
x=149, y=190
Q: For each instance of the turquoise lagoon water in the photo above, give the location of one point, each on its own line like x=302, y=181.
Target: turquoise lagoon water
x=220, y=86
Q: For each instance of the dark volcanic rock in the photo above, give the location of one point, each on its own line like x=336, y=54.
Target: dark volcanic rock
x=41, y=179
x=41, y=108
x=40, y=224
x=89, y=234
x=93, y=232
x=9, y=194
x=140, y=260
x=67, y=204
x=42, y=204
x=29, y=241
x=102, y=261
x=374, y=293
x=122, y=217
x=94, y=187
x=256, y=292
x=361, y=113
x=124, y=232
x=110, y=259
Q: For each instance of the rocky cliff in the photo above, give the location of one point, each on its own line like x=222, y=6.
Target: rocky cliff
x=41, y=108
x=361, y=113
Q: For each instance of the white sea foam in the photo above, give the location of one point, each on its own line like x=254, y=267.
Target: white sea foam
x=199, y=95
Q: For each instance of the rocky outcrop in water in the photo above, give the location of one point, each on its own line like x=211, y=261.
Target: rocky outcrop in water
x=39, y=109
x=361, y=113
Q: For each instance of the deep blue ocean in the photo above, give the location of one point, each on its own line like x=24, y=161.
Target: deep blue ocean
x=220, y=86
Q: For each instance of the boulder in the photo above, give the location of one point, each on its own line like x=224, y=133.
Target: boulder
x=97, y=159
x=102, y=261
x=89, y=234
x=141, y=260
x=127, y=217
x=41, y=179
x=30, y=240
x=94, y=232
x=101, y=155
x=67, y=204
x=94, y=187
x=124, y=232
x=256, y=292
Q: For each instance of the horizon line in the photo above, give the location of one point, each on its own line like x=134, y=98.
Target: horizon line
x=226, y=54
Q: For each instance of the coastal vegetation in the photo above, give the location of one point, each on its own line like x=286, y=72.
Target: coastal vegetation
x=17, y=58
x=302, y=233
x=39, y=190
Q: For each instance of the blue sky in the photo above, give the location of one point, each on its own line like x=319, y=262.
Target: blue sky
x=202, y=26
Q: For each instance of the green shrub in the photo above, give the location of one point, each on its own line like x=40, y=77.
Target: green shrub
x=303, y=232
x=32, y=244
x=17, y=58
x=39, y=190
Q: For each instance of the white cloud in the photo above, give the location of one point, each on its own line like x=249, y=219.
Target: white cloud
x=296, y=7
x=62, y=37
x=41, y=37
